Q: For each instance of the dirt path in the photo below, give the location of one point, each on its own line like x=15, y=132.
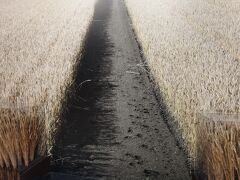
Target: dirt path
x=114, y=128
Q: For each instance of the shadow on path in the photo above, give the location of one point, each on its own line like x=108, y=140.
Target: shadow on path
x=90, y=118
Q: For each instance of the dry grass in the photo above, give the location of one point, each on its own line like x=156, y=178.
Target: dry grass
x=40, y=41
x=192, y=48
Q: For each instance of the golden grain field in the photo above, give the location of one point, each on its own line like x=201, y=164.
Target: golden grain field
x=40, y=41
x=192, y=48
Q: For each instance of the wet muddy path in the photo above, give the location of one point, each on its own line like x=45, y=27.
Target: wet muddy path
x=114, y=128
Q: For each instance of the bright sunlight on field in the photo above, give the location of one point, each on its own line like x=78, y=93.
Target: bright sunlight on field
x=40, y=41
x=192, y=48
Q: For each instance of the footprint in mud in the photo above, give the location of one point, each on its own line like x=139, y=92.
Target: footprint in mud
x=128, y=137
x=144, y=146
x=139, y=135
x=156, y=130
x=136, y=109
x=151, y=174
x=130, y=130
x=136, y=159
x=145, y=126
x=131, y=163
x=146, y=111
x=130, y=104
x=133, y=122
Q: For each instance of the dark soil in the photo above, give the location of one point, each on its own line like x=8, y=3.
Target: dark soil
x=114, y=127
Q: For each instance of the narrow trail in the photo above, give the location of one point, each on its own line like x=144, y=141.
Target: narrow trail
x=114, y=128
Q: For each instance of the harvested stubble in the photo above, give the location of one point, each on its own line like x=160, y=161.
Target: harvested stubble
x=192, y=48
x=40, y=41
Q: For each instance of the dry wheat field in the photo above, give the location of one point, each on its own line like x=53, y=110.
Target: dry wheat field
x=39, y=45
x=192, y=48
x=114, y=125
